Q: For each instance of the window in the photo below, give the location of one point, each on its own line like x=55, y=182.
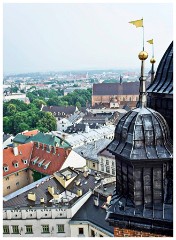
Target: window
x=45, y=228
x=113, y=164
x=16, y=174
x=113, y=171
x=17, y=184
x=92, y=233
x=81, y=231
x=15, y=165
x=108, y=169
x=29, y=229
x=6, y=169
x=8, y=187
x=15, y=229
x=107, y=162
x=7, y=178
x=60, y=228
x=6, y=229
x=102, y=168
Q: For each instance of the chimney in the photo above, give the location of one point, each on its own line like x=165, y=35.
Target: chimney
x=31, y=196
x=96, y=201
x=15, y=151
x=42, y=200
x=87, y=128
x=79, y=192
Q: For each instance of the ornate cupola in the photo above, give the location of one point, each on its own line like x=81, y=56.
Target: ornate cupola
x=143, y=153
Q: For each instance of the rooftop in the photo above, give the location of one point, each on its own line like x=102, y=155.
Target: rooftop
x=126, y=88
x=91, y=150
x=24, y=153
x=44, y=138
x=85, y=183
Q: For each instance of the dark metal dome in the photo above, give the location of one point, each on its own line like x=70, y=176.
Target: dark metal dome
x=142, y=133
x=163, y=82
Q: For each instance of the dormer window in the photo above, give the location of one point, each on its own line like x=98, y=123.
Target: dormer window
x=34, y=161
x=46, y=165
x=40, y=163
x=24, y=161
x=15, y=163
x=47, y=148
x=6, y=168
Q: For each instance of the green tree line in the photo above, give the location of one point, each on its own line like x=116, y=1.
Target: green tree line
x=19, y=116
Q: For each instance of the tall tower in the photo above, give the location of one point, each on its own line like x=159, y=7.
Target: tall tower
x=142, y=200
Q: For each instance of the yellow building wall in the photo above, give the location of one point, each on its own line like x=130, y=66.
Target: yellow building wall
x=16, y=181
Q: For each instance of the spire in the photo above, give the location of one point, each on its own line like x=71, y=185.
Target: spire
x=152, y=60
x=121, y=79
x=142, y=89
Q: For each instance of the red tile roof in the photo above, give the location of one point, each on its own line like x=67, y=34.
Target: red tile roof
x=9, y=158
x=31, y=133
x=55, y=160
x=38, y=159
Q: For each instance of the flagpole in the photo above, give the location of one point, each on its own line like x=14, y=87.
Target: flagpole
x=153, y=50
x=143, y=35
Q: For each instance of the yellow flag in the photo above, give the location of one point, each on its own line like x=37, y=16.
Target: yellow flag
x=137, y=23
x=150, y=41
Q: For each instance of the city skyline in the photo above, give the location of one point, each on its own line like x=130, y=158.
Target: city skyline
x=63, y=37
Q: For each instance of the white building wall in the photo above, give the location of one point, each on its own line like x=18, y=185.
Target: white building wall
x=74, y=160
x=63, y=124
x=102, y=162
x=8, y=141
x=37, y=227
x=87, y=227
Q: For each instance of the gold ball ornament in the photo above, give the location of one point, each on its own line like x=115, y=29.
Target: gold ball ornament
x=152, y=60
x=143, y=55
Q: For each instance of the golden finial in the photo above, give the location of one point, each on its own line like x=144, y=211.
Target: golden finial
x=152, y=60
x=143, y=55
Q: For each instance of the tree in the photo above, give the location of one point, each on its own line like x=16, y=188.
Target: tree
x=78, y=105
x=11, y=109
x=53, y=101
x=22, y=127
x=38, y=103
x=48, y=122
x=8, y=125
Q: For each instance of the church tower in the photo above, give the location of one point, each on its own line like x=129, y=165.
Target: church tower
x=142, y=200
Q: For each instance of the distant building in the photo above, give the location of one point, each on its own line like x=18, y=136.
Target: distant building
x=115, y=94
x=16, y=96
x=77, y=139
x=65, y=116
x=72, y=89
x=90, y=152
x=107, y=162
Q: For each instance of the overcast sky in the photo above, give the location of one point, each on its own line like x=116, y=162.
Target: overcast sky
x=47, y=37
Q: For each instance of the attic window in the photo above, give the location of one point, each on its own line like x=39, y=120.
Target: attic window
x=46, y=166
x=40, y=163
x=6, y=168
x=47, y=148
x=15, y=164
x=24, y=161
